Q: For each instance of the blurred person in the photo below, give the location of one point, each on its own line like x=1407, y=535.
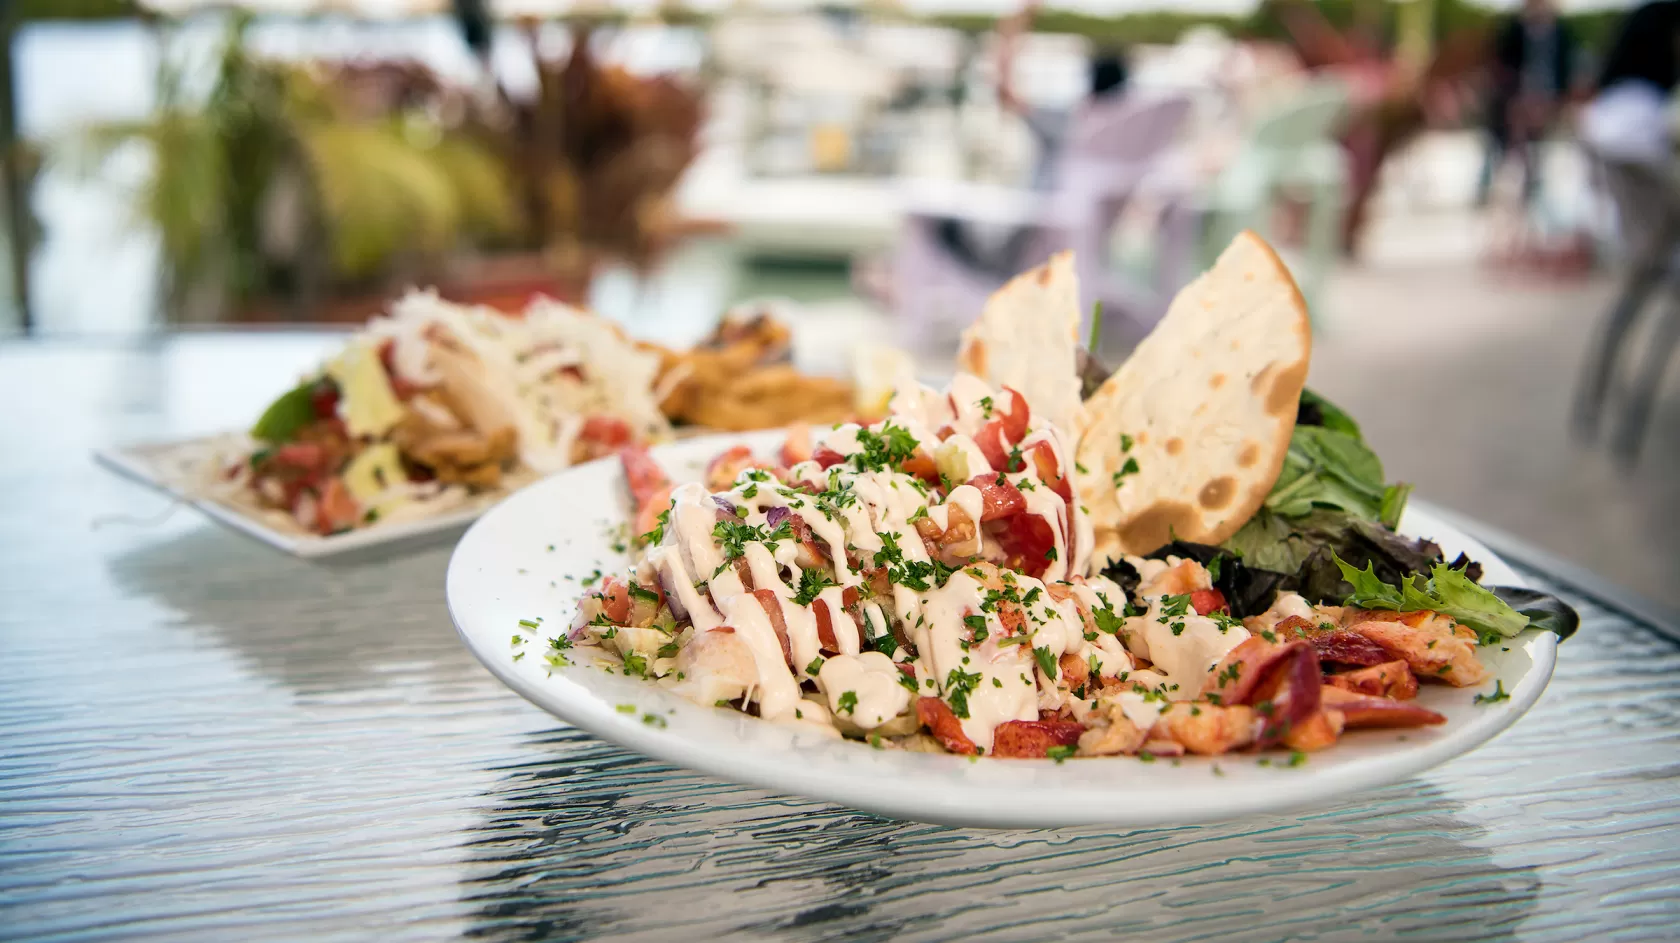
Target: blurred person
x=1628, y=130
x=1001, y=252
x=1532, y=63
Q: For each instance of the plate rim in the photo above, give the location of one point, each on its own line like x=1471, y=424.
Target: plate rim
x=773, y=772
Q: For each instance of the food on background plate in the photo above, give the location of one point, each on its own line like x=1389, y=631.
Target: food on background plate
x=439, y=404
x=439, y=401
x=933, y=582
x=742, y=377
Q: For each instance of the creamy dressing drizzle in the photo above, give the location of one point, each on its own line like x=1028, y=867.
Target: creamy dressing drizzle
x=995, y=674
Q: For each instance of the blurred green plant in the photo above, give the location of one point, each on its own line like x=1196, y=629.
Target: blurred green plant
x=284, y=177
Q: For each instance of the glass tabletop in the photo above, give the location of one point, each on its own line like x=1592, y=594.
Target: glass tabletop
x=206, y=739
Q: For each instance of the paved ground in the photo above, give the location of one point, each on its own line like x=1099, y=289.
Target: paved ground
x=1463, y=383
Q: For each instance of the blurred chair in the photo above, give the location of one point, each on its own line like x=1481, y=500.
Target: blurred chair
x=1111, y=150
x=1647, y=201
x=1291, y=149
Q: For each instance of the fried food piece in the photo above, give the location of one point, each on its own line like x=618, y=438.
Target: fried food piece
x=741, y=378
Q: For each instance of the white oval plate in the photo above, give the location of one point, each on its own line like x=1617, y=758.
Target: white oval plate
x=528, y=556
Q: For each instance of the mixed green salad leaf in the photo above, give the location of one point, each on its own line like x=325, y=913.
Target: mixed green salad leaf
x=1326, y=531
x=283, y=418
x=1446, y=590
x=1329, y=466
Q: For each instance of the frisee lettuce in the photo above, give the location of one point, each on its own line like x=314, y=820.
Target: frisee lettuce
x=1447, y=591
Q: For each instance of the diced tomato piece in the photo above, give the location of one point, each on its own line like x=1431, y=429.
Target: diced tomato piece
x=1027, y=541
x=1000, y=498
x=1209, y=601
x=723, y=469
x=1016, y=417
x=1028, y=739
x=645, y=477
x=1049, y=470
x=609, y=432
x=615, y=601
x=400, y=385
x=647, y=515
x=827, y=457
x=825, y=626
x=335, y=509
x=796, y=447
x=944, y=725
x=990, y=438
x=323, y=399
x=773, y=608
x=305, y=456
x=920, y=465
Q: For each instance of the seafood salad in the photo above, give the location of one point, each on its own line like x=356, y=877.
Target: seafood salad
x=938, y=581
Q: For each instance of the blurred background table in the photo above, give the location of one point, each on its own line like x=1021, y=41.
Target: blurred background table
x=205, y=739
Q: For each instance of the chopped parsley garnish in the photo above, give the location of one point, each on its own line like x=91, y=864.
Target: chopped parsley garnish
x=637, y=592
x=654, y=720
x=591, y=579
x=668, y=650
x=1499, y=694
x=626, y=708
x=733, y=538
x=890, y=553
x=1060, y=753
x=1107, y=621
x=1046, y=661
x=986, y=407
x=1050, y=554
x=977, y=624
x=635, y=663
x=1173, y=607
x=815, y=666
x=909, y=681
x=1125, y=442
x=657, y=535
x=1298, y=758
x=848, y=702
x=1130, y=468
x=886, y=643
x=811, y=585
x=527, y=623
x=560, y=643
x=1213, y=568
x=886, y=450
x=959, y=684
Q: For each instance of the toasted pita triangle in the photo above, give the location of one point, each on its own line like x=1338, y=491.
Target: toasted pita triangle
x=1207, y=404
x=1027, y=338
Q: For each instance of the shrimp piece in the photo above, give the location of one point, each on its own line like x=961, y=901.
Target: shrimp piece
x=1109, y=732
x=1207, y=729
x=1390, y=679
x=716, y=666
x=1185, y=576
x=1319, y=730
x=727, y=466
x=1433, y=645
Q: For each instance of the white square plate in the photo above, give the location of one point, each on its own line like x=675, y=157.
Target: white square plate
x=161, y=466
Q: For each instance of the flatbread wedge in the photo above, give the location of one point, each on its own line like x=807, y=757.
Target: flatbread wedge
x=1186, y=439
x=1027, y=338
